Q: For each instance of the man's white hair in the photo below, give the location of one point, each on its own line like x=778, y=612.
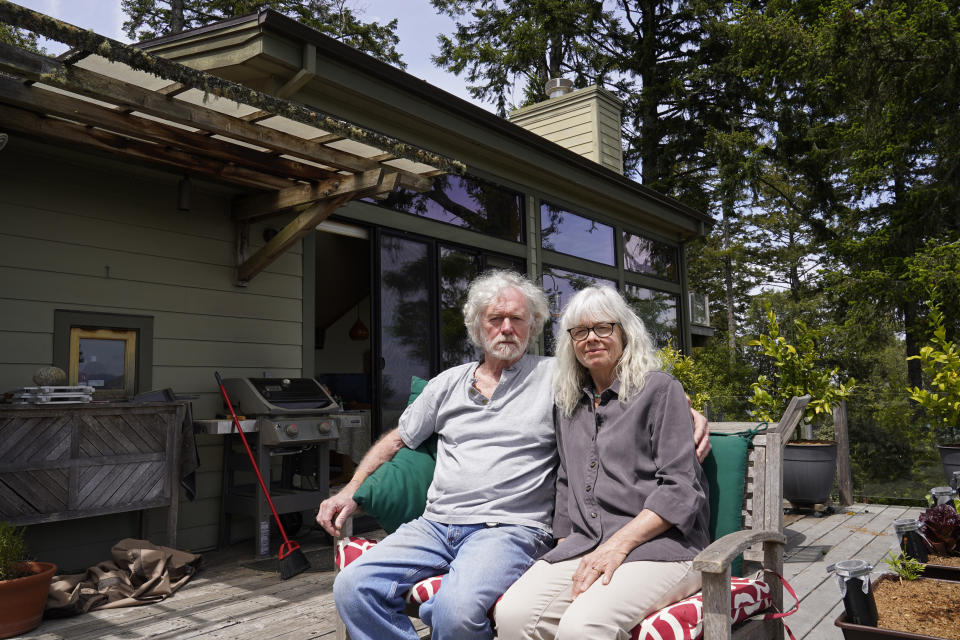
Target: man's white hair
x=490, y=287
x=601, y=304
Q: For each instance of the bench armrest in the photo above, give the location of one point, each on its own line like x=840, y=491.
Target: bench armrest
x=717, y=557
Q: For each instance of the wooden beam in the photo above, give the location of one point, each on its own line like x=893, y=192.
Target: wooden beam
x=264, y=205
x=303, y=224
x=61, y=131
x=138, y=59
x=58, y=104
x=39, y=68
x=288, y=236
x=94, y=85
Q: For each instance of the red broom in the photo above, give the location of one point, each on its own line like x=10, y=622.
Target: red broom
x=292, y=560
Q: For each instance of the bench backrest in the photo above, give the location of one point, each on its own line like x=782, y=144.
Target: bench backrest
x=763, y=493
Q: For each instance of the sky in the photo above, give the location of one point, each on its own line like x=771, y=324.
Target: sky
x=418, y=26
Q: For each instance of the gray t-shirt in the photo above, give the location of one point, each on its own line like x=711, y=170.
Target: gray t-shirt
x=496, y=458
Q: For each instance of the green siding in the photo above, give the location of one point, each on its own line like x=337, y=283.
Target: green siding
x=95, y=235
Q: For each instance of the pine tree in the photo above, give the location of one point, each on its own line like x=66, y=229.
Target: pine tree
x=149, y=19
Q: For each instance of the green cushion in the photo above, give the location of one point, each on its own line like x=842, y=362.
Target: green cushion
x=397, y=491
x=726, y=470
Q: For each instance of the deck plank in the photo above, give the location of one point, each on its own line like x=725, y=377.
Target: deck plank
x=236, y=598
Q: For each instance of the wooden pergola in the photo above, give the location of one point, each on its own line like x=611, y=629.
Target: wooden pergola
x=109, y=97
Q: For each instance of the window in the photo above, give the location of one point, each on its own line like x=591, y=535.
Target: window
x=112, y=353
x=464, y=201
x=574, y=235
x=643, y=255
x=560, y=285
x=105, y=359
x=458, y=268
x=658, y=310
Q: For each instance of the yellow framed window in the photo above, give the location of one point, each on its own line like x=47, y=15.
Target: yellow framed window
x=105, y=359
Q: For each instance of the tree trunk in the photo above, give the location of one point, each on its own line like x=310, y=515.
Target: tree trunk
x=728, y=280
x=177, y=19
x=914, y=373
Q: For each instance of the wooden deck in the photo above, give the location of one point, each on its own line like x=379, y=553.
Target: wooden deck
x=238, y=598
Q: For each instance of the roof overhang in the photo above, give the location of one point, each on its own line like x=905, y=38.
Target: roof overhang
x=107, y=96
x=277, y=54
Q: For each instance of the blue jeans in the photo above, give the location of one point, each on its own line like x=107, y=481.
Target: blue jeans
x=480, y=563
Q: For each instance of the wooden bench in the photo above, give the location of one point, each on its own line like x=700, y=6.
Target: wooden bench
x=761, y=540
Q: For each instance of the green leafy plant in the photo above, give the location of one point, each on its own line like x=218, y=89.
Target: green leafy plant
x=687, y=372
x=13, y=551
x=940, y=362
x=797, y=373
x=906, y=567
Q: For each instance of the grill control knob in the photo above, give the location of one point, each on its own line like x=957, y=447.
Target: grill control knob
x=291, y=430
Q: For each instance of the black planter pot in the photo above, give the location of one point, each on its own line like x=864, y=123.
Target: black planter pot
x=862, y=632
x=942, y=572
x=950, y=457
x=808, y=470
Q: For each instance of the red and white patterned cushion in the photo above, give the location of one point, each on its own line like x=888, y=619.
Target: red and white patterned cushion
x=351, y=548
x=423, y=590
x=684, y=620
x=680, y=621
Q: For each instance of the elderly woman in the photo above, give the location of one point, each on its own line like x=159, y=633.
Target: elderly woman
x=631, y=510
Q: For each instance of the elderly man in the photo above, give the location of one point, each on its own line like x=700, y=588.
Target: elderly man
x=490, y=505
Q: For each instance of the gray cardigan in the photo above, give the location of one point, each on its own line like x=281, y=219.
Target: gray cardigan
x=619, y=459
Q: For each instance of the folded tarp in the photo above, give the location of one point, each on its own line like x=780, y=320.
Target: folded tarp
x=140, y=573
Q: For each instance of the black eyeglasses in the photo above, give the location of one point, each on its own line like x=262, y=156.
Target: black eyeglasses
x=601, y=330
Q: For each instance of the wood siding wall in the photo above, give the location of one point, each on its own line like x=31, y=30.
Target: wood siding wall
x=586, y=122
x=98, y=236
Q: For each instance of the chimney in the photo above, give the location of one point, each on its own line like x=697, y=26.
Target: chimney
x=585, y=121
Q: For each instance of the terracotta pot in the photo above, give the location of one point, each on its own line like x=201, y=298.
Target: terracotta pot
x=24, y=599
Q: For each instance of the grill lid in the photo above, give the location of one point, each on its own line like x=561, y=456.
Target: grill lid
x=278, y=396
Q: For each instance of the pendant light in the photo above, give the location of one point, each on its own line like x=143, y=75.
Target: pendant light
x=359, y=330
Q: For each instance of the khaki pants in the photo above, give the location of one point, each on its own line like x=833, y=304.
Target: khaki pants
x=539, y=607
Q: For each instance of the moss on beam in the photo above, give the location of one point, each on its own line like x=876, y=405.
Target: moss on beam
x=91, y=42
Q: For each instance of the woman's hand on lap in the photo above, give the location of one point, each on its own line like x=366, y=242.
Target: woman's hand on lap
x=599, y=563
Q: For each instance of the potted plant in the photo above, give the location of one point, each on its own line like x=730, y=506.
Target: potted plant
x=23, y=585
x=940, y=401
x=940, y=526
x=808, y=465
x=909, y=606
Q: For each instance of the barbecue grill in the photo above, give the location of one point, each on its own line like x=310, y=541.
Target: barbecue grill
x=295, y=419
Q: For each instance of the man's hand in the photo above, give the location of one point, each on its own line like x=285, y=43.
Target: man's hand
x=701, y=434
x=335, y=510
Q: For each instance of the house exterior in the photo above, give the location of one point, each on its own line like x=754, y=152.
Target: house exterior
x=95, y=232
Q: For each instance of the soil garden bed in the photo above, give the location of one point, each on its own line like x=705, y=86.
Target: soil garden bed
x=927, y=607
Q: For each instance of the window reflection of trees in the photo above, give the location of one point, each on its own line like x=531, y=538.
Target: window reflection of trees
x=405, y=320
x=658, y=310
x=457, y=269
x=643, y=255
x=576, y=235
x=467, y=202
x=560, y=285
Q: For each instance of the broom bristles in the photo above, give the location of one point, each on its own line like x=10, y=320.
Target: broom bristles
x=292, y=560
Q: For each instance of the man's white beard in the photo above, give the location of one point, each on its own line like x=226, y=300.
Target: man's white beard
x=503, y=348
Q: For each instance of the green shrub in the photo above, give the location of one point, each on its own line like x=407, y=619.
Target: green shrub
x=940, y=362
x=13, y=551
x=797, y=372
